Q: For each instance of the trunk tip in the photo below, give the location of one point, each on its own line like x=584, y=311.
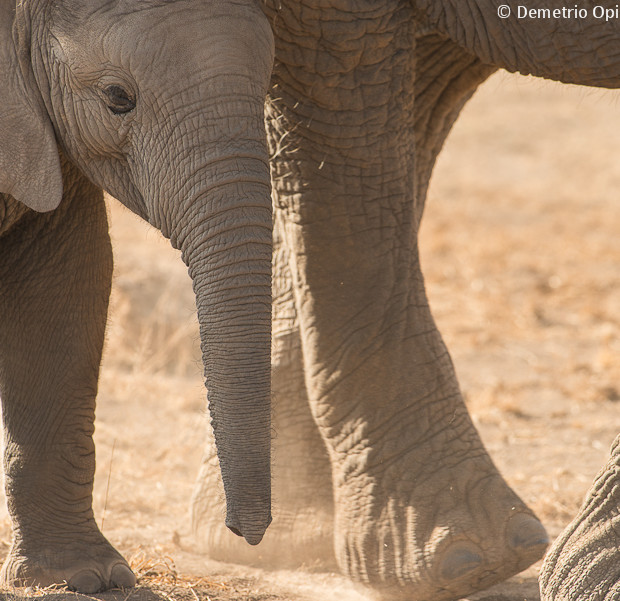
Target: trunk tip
x=252, y=533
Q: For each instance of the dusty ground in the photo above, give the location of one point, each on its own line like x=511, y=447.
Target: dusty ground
x=521, y=250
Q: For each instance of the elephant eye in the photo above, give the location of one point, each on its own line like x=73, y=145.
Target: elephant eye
x=120, y=100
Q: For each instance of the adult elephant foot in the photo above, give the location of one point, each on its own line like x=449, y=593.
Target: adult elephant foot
x=436, y=523
x=584, y=562
x=88, y=566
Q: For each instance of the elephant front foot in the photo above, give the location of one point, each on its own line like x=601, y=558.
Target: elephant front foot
x=86, y=566
x=584, y=562
x=453, y=528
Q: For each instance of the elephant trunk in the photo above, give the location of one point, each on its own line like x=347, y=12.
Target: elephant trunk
x=220, y=217
x=228, y=251
x=209, y=190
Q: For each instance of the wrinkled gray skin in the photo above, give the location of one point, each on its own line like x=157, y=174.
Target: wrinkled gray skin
x=378, y=466
x=583, y=562
x=190, y=158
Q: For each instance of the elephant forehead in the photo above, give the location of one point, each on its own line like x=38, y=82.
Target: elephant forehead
x=168, y=39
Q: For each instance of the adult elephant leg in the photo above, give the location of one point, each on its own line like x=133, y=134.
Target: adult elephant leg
x=582, y=564
x=420, y=510
x=302, y=485
x=55, y=279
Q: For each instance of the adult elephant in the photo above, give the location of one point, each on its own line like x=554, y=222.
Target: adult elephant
x=378, y=468
x=161, y=103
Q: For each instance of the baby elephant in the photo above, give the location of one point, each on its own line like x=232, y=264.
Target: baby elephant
x=160, y=103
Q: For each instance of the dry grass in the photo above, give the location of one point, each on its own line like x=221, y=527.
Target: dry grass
x=161, y=576
x=158, y=579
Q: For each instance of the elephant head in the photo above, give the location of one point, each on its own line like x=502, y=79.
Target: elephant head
x=160, y=103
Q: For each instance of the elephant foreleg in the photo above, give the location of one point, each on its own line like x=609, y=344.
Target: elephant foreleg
x=55, y=274
x=421, y=512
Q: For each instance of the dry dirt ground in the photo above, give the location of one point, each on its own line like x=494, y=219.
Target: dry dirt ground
x=521, y=251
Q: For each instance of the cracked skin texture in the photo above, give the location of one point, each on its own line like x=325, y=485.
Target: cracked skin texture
x=583, y=562
x=362, y=97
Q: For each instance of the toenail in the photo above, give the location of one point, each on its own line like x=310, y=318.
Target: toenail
x=460, y=559
x=524, y=531
x=85, y=581
x=122, y=576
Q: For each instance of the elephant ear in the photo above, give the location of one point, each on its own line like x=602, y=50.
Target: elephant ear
x=29, y=162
